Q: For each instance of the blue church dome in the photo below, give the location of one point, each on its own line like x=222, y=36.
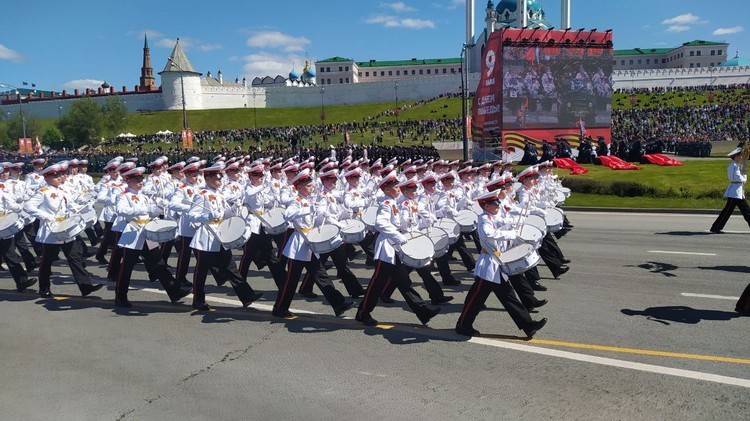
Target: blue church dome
x=310, y=73
x=293, y=75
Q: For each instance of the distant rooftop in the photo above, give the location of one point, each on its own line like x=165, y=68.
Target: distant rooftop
x=637, y=51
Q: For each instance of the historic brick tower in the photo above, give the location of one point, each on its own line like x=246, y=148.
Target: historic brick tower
x=148, y=83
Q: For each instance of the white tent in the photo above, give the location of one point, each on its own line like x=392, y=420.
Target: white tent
x=167, y=132
x=128, y=134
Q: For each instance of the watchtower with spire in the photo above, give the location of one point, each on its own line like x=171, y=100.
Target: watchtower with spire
x=147, y=82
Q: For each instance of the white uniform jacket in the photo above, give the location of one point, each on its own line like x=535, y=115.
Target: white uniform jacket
x=179, y=206
x=136, y=209
x=414, y=215
x=303, y=215
x=258, y=201
x=49, y=205
x=354, y=202
x=208, y=210
x=387, y=224
x=106, y=197
x=115, y=190
x=494, y=233
x=737, y=180
x=8, y=204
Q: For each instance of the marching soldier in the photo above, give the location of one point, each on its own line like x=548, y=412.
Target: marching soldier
x=9, y=205
x=138, y=209
x=494, y=234
x=303, y=214
x=179, y=205
x=208, y=210
x=51, y=205
x=389, y=267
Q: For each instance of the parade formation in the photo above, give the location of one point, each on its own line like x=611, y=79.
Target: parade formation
x=292, y=216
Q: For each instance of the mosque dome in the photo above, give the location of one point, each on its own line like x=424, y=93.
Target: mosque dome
x=293, y=75
x=512, y=5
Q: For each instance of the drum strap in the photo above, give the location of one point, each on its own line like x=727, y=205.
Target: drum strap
x=496, y=253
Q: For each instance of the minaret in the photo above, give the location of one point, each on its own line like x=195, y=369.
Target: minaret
x=148, y=83
x=489, y=19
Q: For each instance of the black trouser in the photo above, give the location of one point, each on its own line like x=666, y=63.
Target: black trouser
x=30, y=231
x=368, y=245
x=11, y=259
x=280, y=240
x=743, y=304
x=430, y=284
x=91, y=235
x=477, y=296
x=223, y=269
x=23, y=248
x=166, y=249
x=550, y=257
x=398, y=274
x=523, y=290
x=444, y=268
x=466, y=257
x=155, y=267
x=116, y=259
x=293, y=273
x=183, y=257
x=258, y=250
x=73, y=253
x=107, y=240
x=343, y=272
x=723, y=217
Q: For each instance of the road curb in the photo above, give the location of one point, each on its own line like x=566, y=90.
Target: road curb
x=644, y=210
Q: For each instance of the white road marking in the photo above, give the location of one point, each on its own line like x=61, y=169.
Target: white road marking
x=615, y=363
x=697, y=375
x=715, y=297
x=682, y=252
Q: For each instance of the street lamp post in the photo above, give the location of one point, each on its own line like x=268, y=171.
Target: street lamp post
x=20, y=110
x=464, y=111
x=255, y=111
x=182, y=91
x=395, y=88
x=59, y=112
x=322, y=105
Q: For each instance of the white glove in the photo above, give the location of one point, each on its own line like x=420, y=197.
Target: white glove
x=511, y=235
x=215, y=214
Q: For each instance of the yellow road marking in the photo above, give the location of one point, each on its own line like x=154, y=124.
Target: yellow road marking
x=639, y=351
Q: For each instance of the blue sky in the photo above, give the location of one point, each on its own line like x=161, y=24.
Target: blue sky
x=80, y=43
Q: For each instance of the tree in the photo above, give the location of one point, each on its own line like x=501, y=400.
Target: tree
x=14, y=129
x=83, y=124
x=115, y=116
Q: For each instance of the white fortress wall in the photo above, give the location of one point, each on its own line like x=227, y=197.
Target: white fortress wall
x=216, y=97
x=50, y=108
x=651, y=78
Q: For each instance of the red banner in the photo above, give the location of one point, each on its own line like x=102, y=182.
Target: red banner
x=24, y=145
x=187, y=139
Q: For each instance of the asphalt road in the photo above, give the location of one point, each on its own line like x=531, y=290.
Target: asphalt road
x=641, y=327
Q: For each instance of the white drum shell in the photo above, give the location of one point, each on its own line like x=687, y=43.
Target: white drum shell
x=554, y=220
x=354, y=232
x=417, y=252
x=531, y=235
x=68, y=228
x=519, y=259
x=467, y=220
x=89, y=217
x=324, y=239
x=451, y=227
x=538, y=222
x=276, y=222
x=368, y=217
x=441, y=241
x=10, y=224
x=233, y=232
x=160, y=230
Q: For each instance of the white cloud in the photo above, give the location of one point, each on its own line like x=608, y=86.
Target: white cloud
x=678, y=28
x=398, y=7
x=393, y=22
x=727, y=31
x=267, y=64
x=209, y=47
x=684, y=19
x=451, y=4
x=275, y=39
x=417, y=23
x=8, y=54
x=82, y=84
